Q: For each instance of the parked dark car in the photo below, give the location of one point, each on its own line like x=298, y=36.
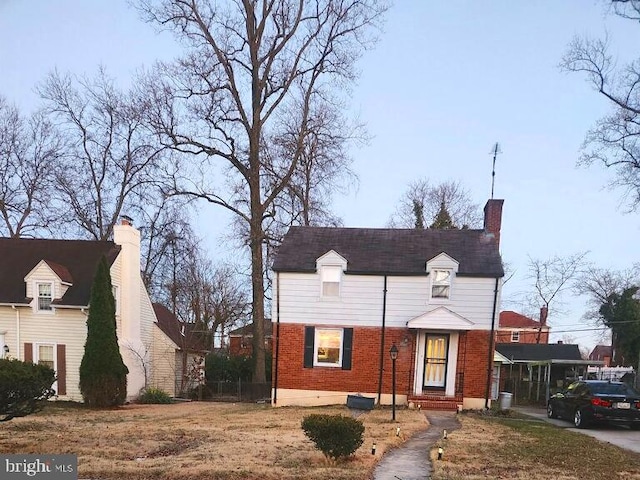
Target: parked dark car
x=591, y=401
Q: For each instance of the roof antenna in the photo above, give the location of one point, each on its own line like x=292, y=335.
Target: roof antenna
x=495, y=150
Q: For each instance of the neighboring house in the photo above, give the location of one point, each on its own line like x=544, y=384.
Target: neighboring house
x=241, y=339
x=539, y=370
x=180, y=351
x=517, y=328
x=602, y=352
x=45, y=288
x=344, y=296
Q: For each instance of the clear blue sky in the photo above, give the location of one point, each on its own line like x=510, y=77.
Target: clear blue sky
x=446, y=81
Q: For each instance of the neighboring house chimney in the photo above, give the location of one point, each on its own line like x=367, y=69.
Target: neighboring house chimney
x=544, y=311
x=493, y=218
x=126, y=268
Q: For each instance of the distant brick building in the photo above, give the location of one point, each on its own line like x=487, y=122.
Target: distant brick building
x=241, y=339
x=517, y=328
x=603, y=353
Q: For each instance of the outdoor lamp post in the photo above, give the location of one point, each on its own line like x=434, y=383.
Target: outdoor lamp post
x=6, y=350
x=393, y=352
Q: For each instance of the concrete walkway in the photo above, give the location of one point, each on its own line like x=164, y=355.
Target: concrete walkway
x=410, y=461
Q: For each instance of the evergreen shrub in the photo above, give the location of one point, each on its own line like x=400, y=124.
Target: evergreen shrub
x=336, y=436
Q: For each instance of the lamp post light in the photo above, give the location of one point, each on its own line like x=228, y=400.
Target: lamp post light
x=393, y=352
x=6, y=350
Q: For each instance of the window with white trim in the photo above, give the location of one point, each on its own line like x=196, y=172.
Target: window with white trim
x=515, y=336
x=331, y=276
x=328, y=347
x=45, y=296
x=44, y=355
x=440, y=283
x=116, y=293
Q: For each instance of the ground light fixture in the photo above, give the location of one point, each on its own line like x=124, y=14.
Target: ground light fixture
x=393, y=353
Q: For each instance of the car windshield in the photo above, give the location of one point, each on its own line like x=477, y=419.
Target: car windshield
x=606, y=388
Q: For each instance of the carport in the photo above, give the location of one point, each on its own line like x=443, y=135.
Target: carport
x=540, y=370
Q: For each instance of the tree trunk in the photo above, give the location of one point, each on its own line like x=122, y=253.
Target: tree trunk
x=257, y=284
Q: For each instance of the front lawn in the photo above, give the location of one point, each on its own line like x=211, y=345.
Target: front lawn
x=523, y=448
x=199, y=440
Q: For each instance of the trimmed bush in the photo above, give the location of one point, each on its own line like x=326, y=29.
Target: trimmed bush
x=24, y=387
x=334, y=435
x=155, y=395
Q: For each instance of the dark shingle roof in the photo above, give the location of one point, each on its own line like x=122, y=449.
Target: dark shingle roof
x=537, y=352
x=172, y=327
x=389, y=251
x=74, y=261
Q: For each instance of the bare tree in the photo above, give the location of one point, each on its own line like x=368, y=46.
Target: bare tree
x=614, y=141
x=598, y=284
x=30, y=153
x=111, y=161
x=551, y=278
x=426, y=200
x=228, y=101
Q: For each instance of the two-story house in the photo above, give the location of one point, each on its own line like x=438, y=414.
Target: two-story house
x=45, y=288
x=344, y=296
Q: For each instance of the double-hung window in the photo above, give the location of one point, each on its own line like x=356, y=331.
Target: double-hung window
x=515, y=336
x=440, y=284
x=328, y=347
x=45, y=296
x=44, y=355
x=331, y=275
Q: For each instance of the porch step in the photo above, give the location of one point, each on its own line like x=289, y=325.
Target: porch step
x=435, y=403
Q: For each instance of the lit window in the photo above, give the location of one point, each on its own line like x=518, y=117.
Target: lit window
x=515, y=336
x=328, y=344
x=45, y=356
x=44, y=296
x=440, y=283
x=331, y=281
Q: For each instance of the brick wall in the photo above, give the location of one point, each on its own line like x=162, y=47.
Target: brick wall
x=473, y=353
x=504, y=336
x=365, y=366
x=363, y=376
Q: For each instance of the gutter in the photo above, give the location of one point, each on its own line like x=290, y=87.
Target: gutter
x=491, y=345
x=382, y=350
x=277, y=355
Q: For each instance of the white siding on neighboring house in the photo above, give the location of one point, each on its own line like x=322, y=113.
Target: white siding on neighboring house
x=68, y=327
x=164, y=365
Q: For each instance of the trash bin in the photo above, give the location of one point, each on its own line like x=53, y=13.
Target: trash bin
x=505, y=400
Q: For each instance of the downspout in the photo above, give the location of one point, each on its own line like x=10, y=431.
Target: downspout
x=491, y=345
x=277, y=356
x=382, y=352
x=17, y=331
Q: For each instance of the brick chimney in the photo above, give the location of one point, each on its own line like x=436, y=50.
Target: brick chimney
x=544, y=311
x=493, y=218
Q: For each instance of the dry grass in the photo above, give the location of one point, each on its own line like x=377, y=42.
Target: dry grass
x=199, y=441
x=521, y=448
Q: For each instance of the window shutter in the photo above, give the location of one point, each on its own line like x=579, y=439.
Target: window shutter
x=347, y=348
x=28, y=352
x=62, y=370
x=309, y=337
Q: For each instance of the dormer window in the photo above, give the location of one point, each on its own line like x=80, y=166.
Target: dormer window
x=331, y=275
x=45, y=296
x=440, y=283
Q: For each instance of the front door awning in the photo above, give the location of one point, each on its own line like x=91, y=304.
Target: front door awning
x=440, y=318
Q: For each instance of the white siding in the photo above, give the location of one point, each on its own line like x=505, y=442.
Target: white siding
x=164, y=362
x=65, y=326
x=360, y=303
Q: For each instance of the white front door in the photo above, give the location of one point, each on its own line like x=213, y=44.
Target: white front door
x=435, y=361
